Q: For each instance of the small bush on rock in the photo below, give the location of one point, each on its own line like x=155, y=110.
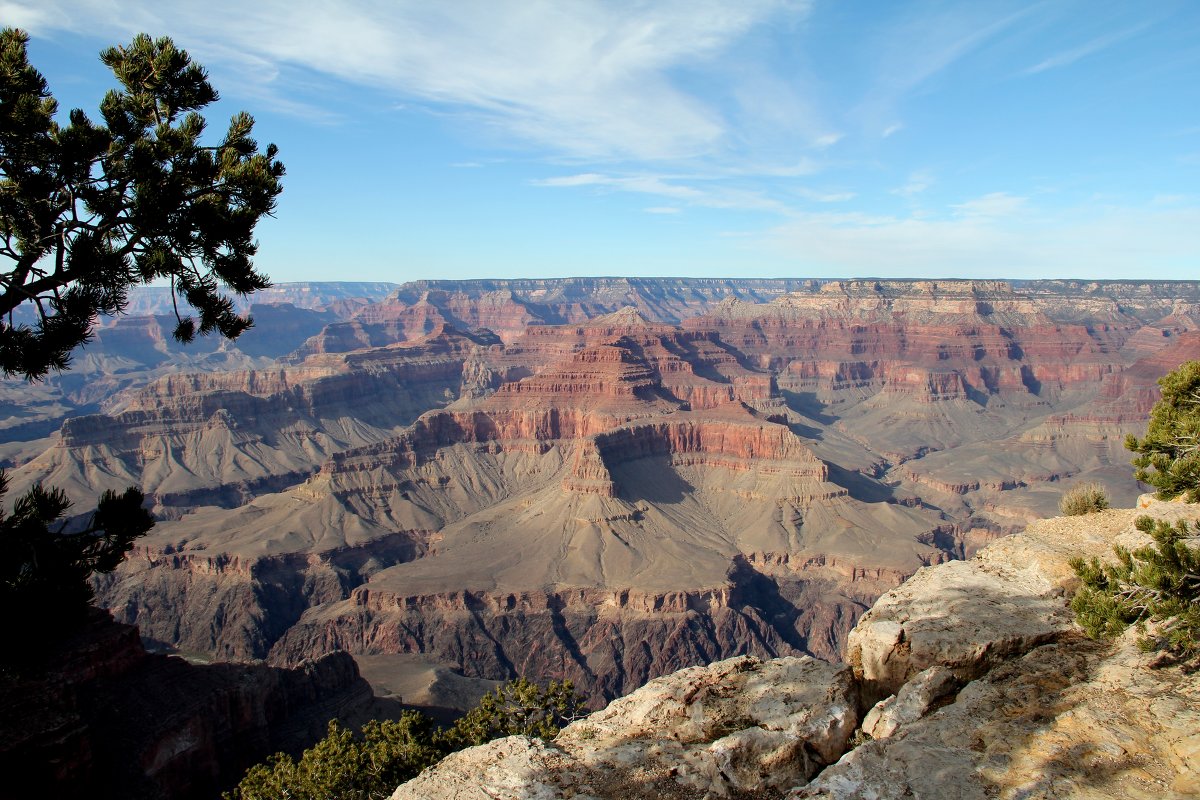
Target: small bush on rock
x=517, y=707
x=1083, y=498
x=345, y=767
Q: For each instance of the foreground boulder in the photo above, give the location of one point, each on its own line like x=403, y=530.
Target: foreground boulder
x=972, y=677
x=1071, y=719
x=1052, y=713
x=735, y=728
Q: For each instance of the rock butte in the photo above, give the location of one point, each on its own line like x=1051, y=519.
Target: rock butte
x=610, y=479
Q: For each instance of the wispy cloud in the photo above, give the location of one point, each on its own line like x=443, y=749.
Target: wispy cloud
x=917, y=183
x=644, y=184
x=935, y=50
x=714, y=194
x=825, y=197
x=1070, y=56
x=1069, y=243
x=582, y=77
x=29, y=16
x=995, y=204
x=662, y=210
x=912, y=52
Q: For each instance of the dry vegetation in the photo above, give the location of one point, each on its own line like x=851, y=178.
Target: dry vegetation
x=1083, y=498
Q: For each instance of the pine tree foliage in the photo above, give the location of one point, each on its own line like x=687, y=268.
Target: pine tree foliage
x=1158, y=584
x=44, y=570
x=518, y=707
x=89, y=209
x=345, y=767
x=1168, y=457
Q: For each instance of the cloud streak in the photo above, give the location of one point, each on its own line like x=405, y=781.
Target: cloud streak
x=1016, y=241
x=715, y=194
x=1067, y=57
x=586, y=78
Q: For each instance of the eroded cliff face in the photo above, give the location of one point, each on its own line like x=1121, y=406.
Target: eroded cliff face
x=223, y=438
x=510, y=307
x=132, y=350
x=970, y=680
x=756, y=475
x=608, y=642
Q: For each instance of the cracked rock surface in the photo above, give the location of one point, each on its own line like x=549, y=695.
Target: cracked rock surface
x=736, y=728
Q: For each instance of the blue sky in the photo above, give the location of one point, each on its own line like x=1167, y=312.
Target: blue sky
x=752, y=138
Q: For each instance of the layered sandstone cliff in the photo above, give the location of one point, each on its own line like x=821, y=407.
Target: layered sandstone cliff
x=222, y=438
x=510, y=307
x=131, y=350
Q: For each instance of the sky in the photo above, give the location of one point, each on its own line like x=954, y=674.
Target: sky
x=764, y=138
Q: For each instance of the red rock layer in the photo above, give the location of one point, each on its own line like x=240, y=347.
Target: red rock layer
x=928, y=343
x=509, y=308
x=738, y=442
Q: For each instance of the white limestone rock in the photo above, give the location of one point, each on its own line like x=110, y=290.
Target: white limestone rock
x=736, y=726
x=965, y=615
x=1073, y=719
x=1055, y=716
x=914, y=700
x=514, y=768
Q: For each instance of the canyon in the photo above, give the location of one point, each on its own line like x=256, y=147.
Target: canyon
x=971, y=680
x=605, y=480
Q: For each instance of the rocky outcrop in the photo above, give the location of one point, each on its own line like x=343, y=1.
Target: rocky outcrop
x=105, y=719
x=986, y=688
x=740, y=727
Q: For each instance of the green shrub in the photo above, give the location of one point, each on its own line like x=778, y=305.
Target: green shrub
x=1156, y=587
x=1168, y=457
x=345, y=767
x=517, y=707
x=1083, y=498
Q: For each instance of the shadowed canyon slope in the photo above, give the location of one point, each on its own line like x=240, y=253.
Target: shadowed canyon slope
x=610, y=479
